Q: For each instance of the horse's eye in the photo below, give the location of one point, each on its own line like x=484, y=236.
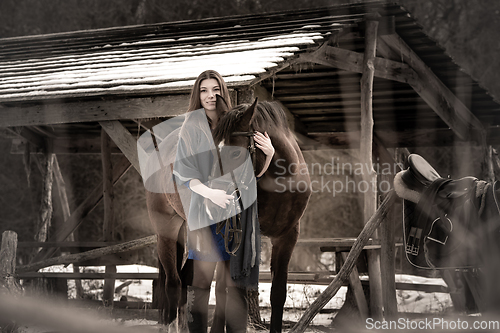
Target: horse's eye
x=236, y=154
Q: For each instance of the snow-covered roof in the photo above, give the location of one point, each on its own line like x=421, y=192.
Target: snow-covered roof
x=159, y=58
x=145, y=66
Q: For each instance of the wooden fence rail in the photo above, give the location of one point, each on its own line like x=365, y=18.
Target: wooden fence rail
x=317, y=278
x=92, y=254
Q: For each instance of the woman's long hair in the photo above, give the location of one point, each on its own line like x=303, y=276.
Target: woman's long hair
x=195, y=102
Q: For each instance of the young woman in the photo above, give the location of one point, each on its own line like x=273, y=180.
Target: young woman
x=194, y=164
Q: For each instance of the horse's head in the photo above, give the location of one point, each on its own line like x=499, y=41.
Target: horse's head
x=234, y=134
x=235, y=127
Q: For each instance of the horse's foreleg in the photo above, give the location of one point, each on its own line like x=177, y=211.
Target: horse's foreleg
x=280, y=258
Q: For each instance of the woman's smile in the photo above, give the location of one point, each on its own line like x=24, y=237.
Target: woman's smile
x=208, y=89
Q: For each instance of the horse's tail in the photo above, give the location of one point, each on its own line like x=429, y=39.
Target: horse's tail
x=160, y=295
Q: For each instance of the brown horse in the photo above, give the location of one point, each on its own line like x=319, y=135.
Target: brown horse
x=283, y=193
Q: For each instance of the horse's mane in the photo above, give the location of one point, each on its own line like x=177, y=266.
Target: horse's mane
x=268, y=117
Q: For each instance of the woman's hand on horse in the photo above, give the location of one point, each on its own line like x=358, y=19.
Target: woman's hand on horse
x=219, y=197
x=263, y=142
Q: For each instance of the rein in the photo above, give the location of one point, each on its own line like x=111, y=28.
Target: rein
x=233, y=229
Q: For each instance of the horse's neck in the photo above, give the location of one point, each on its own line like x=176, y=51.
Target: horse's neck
x=288, y=169
x=287, y=158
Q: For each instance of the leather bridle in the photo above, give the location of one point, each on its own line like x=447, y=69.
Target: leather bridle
x=251, y=144
x=233, y=227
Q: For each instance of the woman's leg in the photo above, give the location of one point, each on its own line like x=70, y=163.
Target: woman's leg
x=236, y=305
x=219, y=322
x=203, y=273
x=198, y=295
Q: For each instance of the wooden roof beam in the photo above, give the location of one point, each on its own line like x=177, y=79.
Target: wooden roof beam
x=64, y=146
x=353, y=62
x=27, y=135
x=433, y=91
x=124, y=140
x=95, y=110
x=393, y=139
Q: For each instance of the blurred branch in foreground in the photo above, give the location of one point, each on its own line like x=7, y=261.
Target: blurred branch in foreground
x=58, y=316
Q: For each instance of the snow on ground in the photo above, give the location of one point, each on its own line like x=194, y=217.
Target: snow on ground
x=299, y=296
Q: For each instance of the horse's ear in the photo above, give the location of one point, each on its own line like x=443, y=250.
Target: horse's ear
x=220, y=104
x=249, y=113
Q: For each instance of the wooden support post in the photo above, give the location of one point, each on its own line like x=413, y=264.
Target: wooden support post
x=63, y=198
x=88, y=255
x=82, y=211
x=369, y=175
x=349, y=264
x=357, y=290
x=108, y=225
x=387, y=238
x=8, y=262
x=46, y=209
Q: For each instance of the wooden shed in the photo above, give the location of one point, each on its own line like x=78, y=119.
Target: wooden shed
x=73, y=80
x=338, y=71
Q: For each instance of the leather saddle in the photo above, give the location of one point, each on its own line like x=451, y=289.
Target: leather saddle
x=420, y=174
x=439, y=225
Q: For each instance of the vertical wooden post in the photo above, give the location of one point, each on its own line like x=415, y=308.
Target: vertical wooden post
x=8, y=262
x=108, y=226
x=357, y=290
x=369, y=174
x=387, y=236
x=46, y=205
x=66, y=212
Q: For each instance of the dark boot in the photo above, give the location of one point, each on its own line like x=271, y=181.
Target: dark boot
x=236, y=310
x=219, y=321
x=197, y=308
